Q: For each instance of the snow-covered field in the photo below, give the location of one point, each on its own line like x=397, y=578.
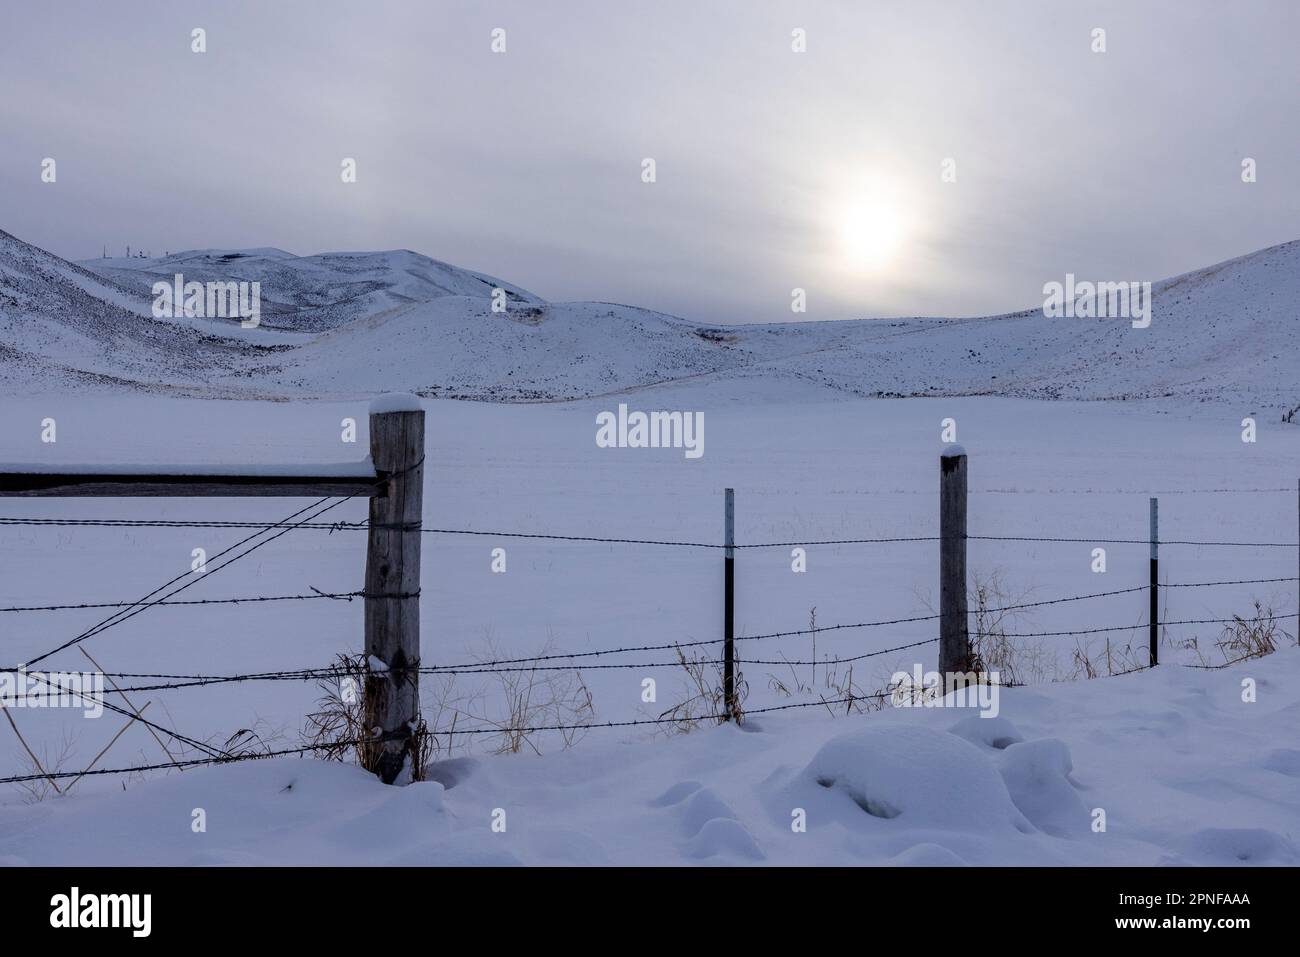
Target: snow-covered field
x=1186, y=771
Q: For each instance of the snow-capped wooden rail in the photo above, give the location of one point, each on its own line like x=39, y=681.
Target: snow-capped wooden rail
x=137, y=484
x=392, y=479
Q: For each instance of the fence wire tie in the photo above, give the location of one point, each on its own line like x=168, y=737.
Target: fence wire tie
x=340, y=596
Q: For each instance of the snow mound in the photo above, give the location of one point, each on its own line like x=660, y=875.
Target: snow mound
x=676, y=794
x=996, y=733
x=1037, y=773
x=704, y=808
x=395, y=402
x=927, y=855
x=723, y=835
x=921, y=777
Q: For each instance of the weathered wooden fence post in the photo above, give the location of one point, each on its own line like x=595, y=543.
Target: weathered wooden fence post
x=1154, y=590
x=729, y=606
x=954, y=637
x=391, y=707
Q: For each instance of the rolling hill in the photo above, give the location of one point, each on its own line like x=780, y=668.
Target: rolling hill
x=351, y=324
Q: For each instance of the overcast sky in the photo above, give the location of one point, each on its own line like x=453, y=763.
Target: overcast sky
x=775, y=169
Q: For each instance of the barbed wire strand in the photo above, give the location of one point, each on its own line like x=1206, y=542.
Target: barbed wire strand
x=244, y=600
x=547, y=536
x=119, y=617
x=532, y=663
x=350, y=595
x=502, y=666
x=493, y=729
x=141, y=605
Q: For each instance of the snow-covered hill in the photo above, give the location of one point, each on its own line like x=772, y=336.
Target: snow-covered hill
x=346, y=325
x=62, y=326
x=313, y=293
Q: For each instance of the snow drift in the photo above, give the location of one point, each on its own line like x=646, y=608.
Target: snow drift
x=897, y=787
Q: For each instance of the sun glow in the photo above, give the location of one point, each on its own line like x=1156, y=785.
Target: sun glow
x=871, y=230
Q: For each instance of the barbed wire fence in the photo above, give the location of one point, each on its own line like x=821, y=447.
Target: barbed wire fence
x=301, y=520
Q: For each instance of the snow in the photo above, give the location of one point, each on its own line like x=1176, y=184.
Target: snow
x=353, y=325
x=1185, y=771
x=935, y=779
x=354, y=469
x=395, y=402
x=1179, y=764
x=802, y=425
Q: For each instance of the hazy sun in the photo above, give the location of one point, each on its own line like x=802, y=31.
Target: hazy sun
x=871, y=229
